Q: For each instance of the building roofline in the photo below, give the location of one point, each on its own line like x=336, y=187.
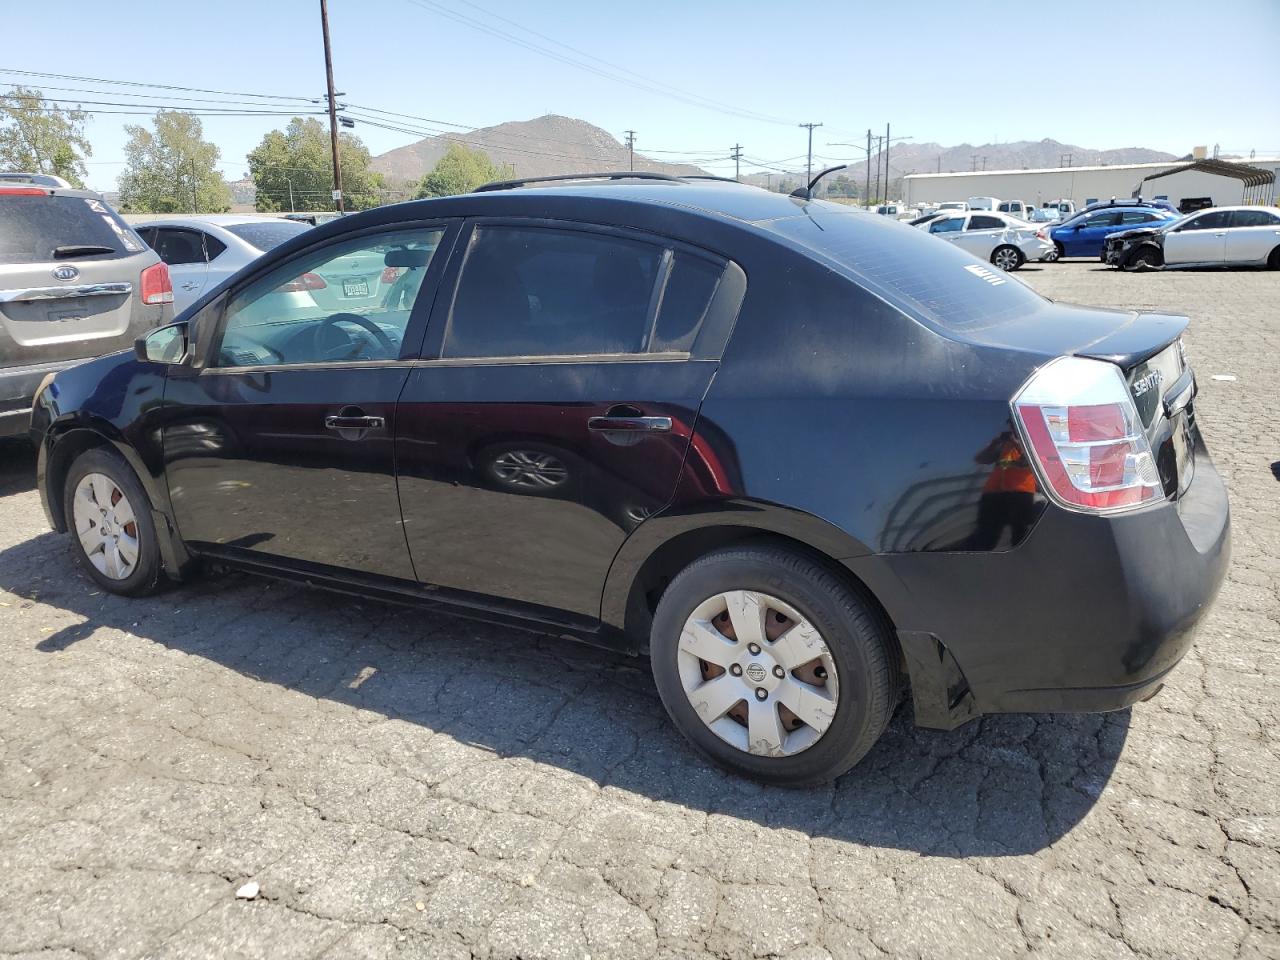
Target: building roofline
x=1106, y=166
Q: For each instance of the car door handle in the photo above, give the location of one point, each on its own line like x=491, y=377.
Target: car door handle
x=354, y=423
x=630, y=424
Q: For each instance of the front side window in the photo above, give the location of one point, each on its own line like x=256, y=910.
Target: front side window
x=949, y=225
x=1254, y=218
x=344, y=302
x=538, y=291
x=1214, y=220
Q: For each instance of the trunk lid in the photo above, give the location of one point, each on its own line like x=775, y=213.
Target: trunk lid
x=1148, y=349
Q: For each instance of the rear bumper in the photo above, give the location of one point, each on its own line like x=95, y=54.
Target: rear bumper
x=1088, y=614
x=17, y=390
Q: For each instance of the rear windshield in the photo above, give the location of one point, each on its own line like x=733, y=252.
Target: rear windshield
x=265, y=236
x=33, y=227
x=929, y=277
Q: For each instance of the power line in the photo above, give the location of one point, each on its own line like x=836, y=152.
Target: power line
x=642, y=82
x=153, y=86
x=119, y=93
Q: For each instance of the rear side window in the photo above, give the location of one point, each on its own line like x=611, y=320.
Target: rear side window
x=1254, y=218
x=985, y=223
x=268, y=235
x=949, y=225
x=32, y=228
x=536, y=291
x=178, y=247
x=1137, y=216
x=685, y=300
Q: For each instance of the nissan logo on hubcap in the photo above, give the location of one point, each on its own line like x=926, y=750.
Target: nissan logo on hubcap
x=756, y=672
x=65, y=272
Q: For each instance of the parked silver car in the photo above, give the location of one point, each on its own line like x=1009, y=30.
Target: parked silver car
x=75, y=282
x=202, y=251
x=1001, y=239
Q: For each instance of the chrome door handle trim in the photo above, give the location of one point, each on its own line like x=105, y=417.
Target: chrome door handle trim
x=61, y=293
x=630, y=424
x=355, y=423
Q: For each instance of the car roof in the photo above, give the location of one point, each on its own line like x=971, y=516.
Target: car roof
x=200, y=220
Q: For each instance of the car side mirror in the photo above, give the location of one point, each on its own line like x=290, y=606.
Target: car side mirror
x=169, y=344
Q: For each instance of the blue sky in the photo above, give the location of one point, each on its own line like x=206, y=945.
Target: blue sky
x=1098, y=74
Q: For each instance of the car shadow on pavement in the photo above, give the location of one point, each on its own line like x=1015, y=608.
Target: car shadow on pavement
x=998, y=786
x=17, y=466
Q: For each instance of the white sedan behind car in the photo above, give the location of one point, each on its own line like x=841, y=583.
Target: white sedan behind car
x=1001, y=239
x=202, y=251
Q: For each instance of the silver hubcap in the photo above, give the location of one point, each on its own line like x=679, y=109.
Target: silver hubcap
x=530, y=468
x=758, y=673
x=106, y=526
x=1006, y=259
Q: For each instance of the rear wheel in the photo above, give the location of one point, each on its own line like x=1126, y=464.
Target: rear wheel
x=1145, y=258
x=1273, y=261
x=1060, y=249
x=109, y=515
x=1007, y=257
x=772, y=666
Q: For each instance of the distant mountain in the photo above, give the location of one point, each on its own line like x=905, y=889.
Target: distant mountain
x=907, y=158
x=535, y=148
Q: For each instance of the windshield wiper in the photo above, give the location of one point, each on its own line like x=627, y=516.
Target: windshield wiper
x=80, y=250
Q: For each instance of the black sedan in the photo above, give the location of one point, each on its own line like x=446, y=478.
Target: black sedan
x=799, y=456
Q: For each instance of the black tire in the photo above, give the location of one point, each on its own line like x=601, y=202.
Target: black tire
x=857, y=635
x=147, y=575
x=1062, y=251
x=1144, y=258
x=1273, y=261
x=1009, y=254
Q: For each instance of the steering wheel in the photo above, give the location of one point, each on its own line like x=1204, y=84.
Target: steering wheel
x=349, y=349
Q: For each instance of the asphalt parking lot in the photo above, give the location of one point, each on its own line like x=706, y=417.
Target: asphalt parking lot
x=401, y=784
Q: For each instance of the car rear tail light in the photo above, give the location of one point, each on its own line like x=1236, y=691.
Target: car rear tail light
x=390, y=274
x=22, y=192
x=1043, y=233
x=156, y=285
x=308, y=281
x=1085, y=437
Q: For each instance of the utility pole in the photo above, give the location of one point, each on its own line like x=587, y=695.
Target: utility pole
x=808, y=167
x=737, y=158
x=333, y=107
x=866, y=196
x=886, y=163
x=290, y=183
x=631, y=147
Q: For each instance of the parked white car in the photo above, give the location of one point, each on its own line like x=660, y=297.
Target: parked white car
x=953, y=205
x=1016, y=208
x=1004, y=241
x=984, y=203
x=1218, y=237
x=202, y=251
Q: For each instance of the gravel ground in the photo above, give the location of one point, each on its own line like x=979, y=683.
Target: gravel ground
x=401, y=784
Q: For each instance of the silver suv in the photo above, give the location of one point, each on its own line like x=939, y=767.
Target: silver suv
x=75, y=282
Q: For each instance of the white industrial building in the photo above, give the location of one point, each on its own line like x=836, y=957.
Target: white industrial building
x=1220, y=182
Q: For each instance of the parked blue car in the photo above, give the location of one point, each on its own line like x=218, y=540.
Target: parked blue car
x=1083, y=234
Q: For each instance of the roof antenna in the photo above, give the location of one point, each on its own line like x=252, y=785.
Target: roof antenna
x=806, y=193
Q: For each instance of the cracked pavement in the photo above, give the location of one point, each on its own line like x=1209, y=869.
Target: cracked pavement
x=407, y=784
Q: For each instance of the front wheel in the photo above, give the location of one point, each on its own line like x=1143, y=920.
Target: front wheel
x=1053, y=255
x=1007, y=257
x=772, y=666
x=1146, y=258
x=109, y=514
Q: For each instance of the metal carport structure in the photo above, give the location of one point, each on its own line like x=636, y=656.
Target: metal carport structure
x=1255, y=179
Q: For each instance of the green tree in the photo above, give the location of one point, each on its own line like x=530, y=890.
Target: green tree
x=292, y=169
x=460, y=171
x=37, y=137
x=172, y=169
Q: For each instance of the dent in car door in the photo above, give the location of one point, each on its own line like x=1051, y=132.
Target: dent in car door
x=521, y=476
x=281, y=450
